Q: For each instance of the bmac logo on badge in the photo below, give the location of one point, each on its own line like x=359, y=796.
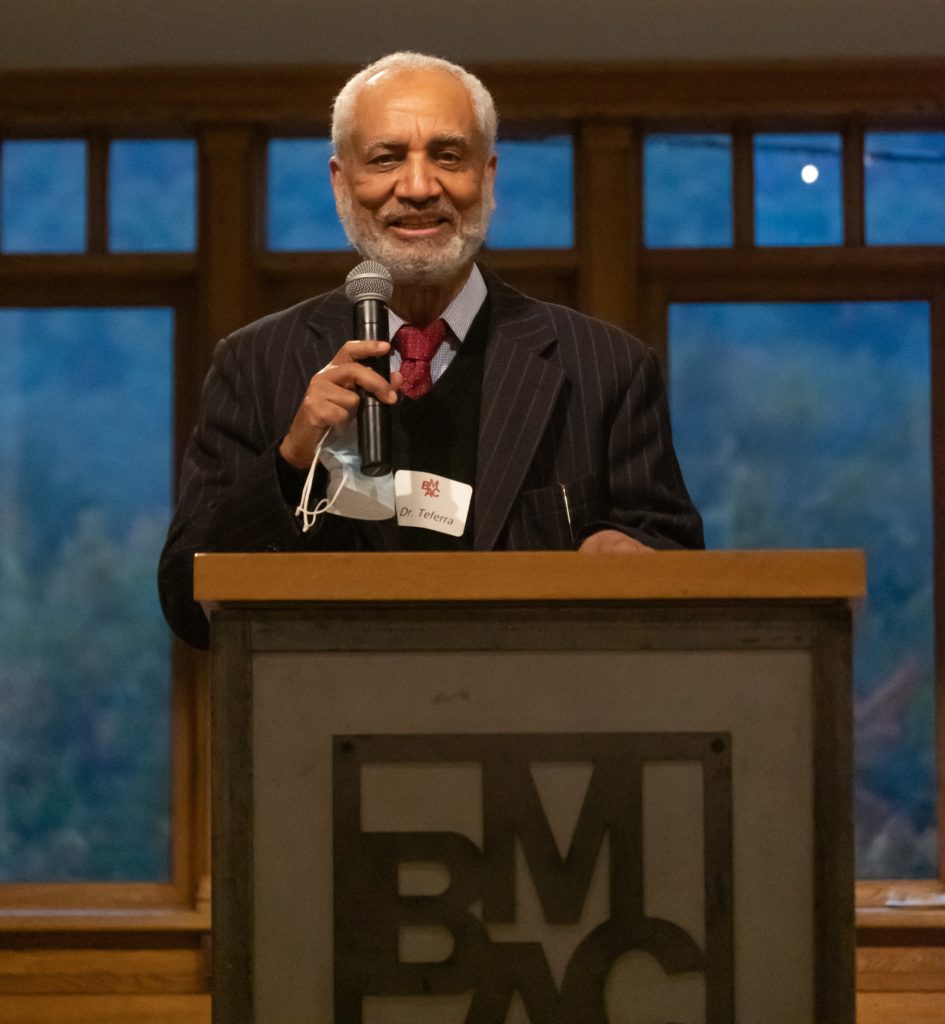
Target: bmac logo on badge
x=479, y=893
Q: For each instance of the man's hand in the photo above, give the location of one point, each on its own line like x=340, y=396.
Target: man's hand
x=612, y=542
x=331, y=398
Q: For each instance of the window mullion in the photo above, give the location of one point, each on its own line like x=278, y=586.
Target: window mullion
x=227, y=195
x=608, y=199
x=743, y=188
x=854, y=233
x=97, y=194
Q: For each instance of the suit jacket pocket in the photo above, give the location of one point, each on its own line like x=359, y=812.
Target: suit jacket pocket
x=551, y=518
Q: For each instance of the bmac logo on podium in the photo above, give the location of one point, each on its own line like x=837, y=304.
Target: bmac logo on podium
x=547, y=878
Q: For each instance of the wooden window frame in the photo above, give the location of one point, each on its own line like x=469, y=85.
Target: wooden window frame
x=230, y=279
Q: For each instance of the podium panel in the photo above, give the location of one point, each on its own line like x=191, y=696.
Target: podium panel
x=557, y=810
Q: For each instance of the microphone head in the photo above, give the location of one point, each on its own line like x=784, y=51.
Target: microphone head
x=369, y=280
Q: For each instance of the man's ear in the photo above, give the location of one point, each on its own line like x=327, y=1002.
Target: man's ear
x=491, y=164
x=334, y=168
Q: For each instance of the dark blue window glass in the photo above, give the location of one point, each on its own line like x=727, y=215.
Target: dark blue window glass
x=301, y=204
x=687, y=191
x=798, y=182
x=85, y=443
x=534, y=194
x=808, y=425
x=152, y=195
x=905, y=188
x=44, y=196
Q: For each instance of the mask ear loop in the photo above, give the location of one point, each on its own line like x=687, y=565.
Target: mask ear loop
x=309, y=516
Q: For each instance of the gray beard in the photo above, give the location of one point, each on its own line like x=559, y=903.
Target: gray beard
x=422, y=261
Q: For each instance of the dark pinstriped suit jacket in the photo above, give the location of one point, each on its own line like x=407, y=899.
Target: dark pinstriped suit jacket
x=574, y=437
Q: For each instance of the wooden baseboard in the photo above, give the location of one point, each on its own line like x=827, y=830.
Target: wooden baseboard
x=96, y=972
x=111, y=1009
x=900, y=1007
x=872, y=1008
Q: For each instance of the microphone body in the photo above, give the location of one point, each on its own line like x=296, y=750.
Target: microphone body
x=368, y=287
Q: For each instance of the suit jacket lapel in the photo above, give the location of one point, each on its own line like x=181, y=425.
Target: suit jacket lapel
x=519, y=390
x=330, y=326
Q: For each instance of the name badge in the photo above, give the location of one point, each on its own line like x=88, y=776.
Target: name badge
x=431, y=502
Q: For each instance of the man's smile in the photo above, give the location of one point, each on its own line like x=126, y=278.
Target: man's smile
x=418, y=225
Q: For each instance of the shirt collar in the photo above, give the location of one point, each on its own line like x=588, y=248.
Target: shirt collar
x=461, y=312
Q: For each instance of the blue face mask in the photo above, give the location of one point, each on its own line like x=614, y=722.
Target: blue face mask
x=350, y=493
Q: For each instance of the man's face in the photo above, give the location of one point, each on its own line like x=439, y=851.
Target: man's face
x=414, y=182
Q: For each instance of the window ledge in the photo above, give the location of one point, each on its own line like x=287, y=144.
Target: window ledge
x=165, y=919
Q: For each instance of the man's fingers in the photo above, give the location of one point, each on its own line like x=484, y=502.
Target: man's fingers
x=329, y=394
x=353, y=351
x=612, y=542
x=351, y=374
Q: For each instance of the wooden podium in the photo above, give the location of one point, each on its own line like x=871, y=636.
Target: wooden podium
x=551, y=787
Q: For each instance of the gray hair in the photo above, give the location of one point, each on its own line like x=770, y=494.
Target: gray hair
x=342, y=111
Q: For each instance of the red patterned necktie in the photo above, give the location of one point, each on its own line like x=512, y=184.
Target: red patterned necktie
x=417, y=346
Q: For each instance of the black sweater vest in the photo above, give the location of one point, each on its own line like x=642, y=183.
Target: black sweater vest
x=438, y=433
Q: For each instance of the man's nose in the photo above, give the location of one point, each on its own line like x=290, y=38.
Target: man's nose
x=418, y=181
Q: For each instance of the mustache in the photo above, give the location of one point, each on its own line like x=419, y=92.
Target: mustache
x=441, y=208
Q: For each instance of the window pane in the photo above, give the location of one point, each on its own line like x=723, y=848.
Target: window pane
x=85, y=441
x=300, y=201
x=798, y=199
x=905, y=188
x=687, y=190
x=44, y=196
x=152, y=195
x=534, y=195
x=808, y=425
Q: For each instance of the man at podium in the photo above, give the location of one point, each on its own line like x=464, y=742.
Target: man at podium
x=514, y=424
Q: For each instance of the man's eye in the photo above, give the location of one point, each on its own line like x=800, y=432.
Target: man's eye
x=449, y=158
x=383, y=160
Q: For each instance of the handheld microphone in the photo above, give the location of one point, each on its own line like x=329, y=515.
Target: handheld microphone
x=368, y=287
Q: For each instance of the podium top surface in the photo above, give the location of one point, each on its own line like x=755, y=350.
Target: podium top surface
x=836, y=575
